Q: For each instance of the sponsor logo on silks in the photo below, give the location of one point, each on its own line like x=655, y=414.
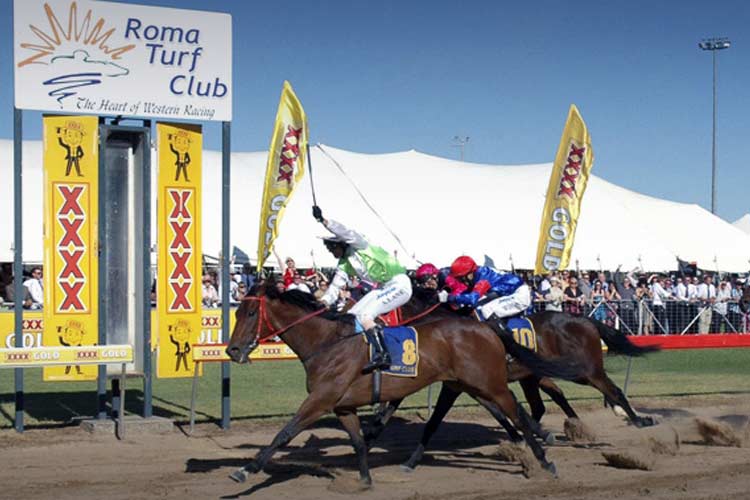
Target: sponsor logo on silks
x=523, y=332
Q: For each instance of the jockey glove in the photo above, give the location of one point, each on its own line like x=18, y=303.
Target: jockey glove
x=317, y=213
x=442, y=296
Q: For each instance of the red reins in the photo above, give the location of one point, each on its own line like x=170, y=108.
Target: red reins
x=262, y=312
x=420, y=315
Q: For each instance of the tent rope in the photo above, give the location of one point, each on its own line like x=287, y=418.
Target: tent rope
x=369, y=205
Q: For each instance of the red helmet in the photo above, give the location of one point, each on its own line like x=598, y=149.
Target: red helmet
x=463, y=266
x=425, y=271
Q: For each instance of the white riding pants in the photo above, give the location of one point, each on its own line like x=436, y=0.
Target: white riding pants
x=510, y=305
x=393, y=294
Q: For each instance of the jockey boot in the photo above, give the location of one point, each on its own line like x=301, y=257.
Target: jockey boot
x=381, y=359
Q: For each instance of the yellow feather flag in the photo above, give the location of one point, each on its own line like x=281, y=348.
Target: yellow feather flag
x=570, y=174
x=284, y=170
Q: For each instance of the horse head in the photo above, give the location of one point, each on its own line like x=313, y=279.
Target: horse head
x=267, y=312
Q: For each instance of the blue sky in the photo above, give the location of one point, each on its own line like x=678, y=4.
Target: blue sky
x=383, y=76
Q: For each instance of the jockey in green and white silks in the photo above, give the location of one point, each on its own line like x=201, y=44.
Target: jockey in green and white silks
x=371, y=264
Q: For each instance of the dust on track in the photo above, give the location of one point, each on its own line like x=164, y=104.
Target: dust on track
x=460, y=464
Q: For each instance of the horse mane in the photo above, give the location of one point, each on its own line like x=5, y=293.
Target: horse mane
x=306, y=301
x=426, y=297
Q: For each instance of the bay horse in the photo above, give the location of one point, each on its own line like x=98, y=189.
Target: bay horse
x=558, y=335
x=460, y=350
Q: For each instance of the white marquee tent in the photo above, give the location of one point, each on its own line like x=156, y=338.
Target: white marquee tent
x=743, y=223
x=439, y=208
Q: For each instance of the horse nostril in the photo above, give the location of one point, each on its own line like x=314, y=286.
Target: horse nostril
x=232, y=351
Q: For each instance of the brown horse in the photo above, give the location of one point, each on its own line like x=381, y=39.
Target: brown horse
x=558, y=335
x=459, y=350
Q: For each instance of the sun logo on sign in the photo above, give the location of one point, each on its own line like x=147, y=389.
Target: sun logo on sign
x=78, y=51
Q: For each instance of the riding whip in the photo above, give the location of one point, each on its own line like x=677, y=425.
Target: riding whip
x=309, y=166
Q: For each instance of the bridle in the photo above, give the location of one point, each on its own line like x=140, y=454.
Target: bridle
x=263, y=319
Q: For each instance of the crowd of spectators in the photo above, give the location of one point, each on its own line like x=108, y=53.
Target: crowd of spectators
x=33, y=287
x=640, y=303
x=634, y=302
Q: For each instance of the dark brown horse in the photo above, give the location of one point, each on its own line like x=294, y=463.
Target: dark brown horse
x=558, y=335
x=459, y=350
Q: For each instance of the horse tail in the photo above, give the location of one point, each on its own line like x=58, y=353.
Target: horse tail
x=562, y=368
x=618, y=343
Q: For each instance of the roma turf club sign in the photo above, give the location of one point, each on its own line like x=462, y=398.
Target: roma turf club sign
x=81, y=56
x=179, y=290
x=71, y=163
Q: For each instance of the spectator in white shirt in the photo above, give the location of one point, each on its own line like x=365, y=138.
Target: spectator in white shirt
x=723, y=296
x=298, y=284
x=706, y=295
x=35, y=288
x=659, y=294
x=679, y=291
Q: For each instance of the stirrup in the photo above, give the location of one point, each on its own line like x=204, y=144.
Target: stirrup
x=381, y=362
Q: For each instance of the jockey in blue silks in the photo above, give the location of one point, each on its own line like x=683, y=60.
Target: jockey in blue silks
x=492, y=295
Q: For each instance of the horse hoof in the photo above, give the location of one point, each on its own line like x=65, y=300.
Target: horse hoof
x=551, y=468
x=407, y=468
x=239, y=476
x=550, y=439
x=648, y=421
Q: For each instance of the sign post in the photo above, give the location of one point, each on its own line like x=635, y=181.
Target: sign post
x=93, y=57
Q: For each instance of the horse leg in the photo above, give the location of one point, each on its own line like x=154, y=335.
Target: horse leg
x=553, y=391
x=380, y=420
x=444, y=403
x=311, y=410
x=351, y=424
x=507, y=402
x=617, y=397
x=496, y=412
x=530, y=386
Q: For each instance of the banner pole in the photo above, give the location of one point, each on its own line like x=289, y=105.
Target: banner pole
x=226, y=150
x=147, y=277
x=18, y=255
x=104, y=285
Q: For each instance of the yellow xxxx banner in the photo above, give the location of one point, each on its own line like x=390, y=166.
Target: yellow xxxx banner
x=179, y=291
x=570, y=174
x=285, y=168
x=71, y=221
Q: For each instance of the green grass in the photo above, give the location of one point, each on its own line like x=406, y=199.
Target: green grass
x=275, y=389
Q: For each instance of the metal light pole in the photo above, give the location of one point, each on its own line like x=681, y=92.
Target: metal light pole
x=460, y=142
x=714, y=44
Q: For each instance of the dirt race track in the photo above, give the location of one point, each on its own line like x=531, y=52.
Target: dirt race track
x=462, y=462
